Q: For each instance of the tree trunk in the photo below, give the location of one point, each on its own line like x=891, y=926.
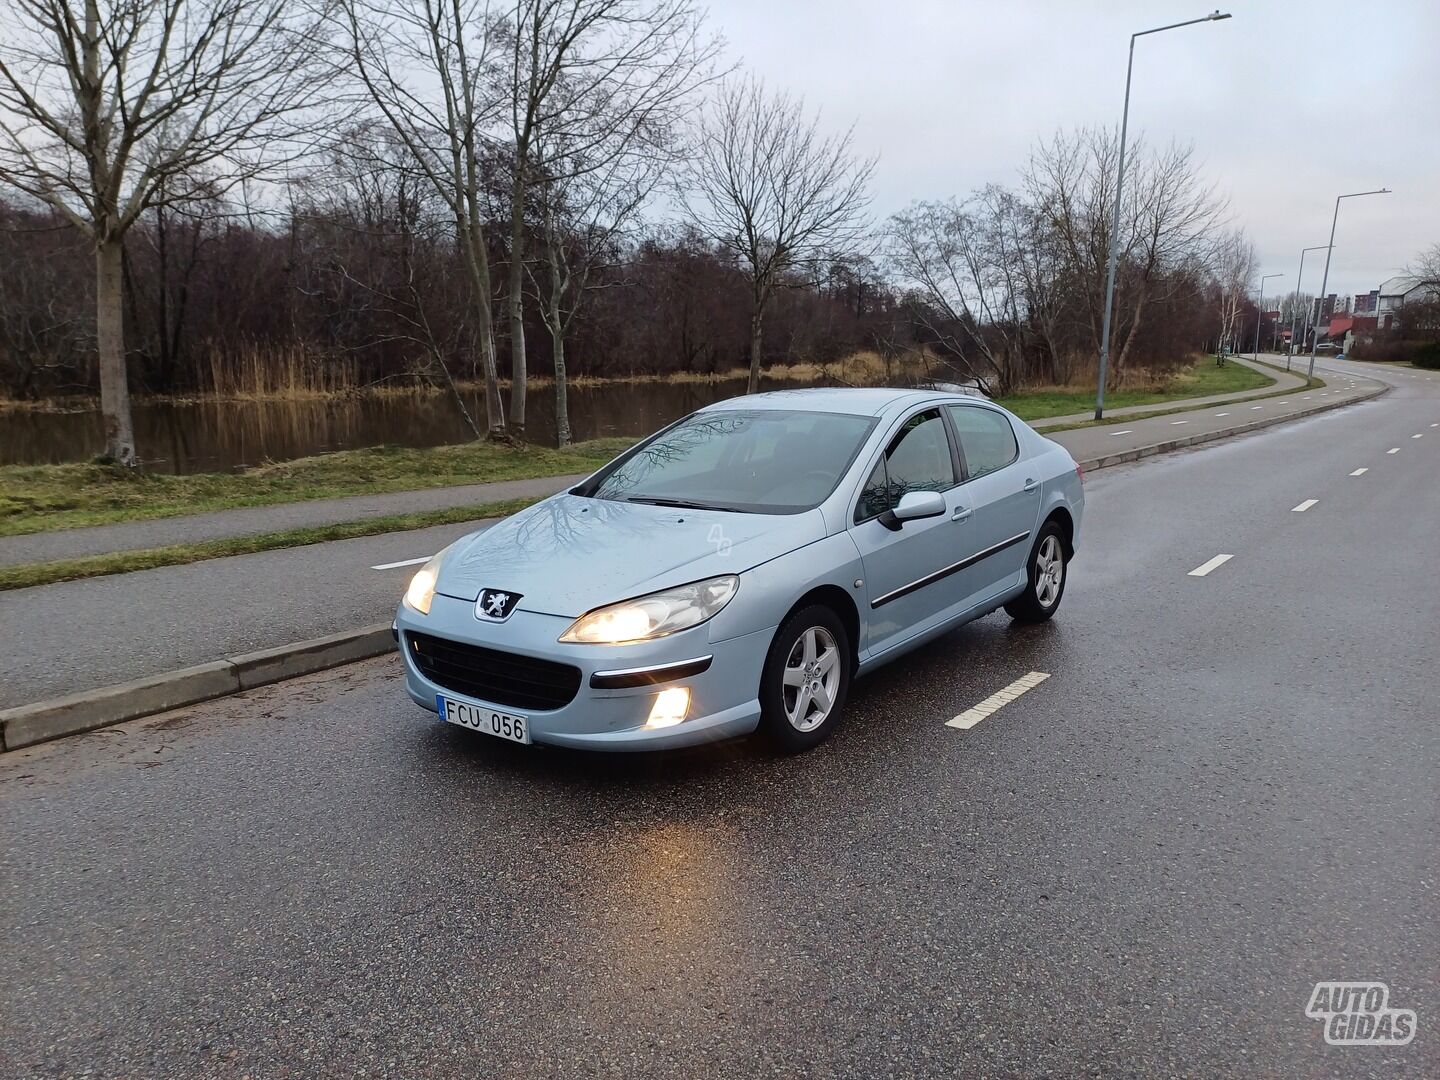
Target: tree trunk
x=562, y=402
x=757, y=316
x=477, y=263
x=517, y=308
x=110, y=342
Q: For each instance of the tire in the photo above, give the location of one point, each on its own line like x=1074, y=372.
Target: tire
x=1047, y=570
x=787, y=724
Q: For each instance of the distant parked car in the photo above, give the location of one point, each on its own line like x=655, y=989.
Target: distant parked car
x=1325, y=346
x=739, y=567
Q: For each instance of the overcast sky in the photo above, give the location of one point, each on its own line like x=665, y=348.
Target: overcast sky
x=1287, y=104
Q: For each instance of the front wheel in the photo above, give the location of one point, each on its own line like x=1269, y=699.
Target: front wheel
x=1045, y=582
x=806, y=676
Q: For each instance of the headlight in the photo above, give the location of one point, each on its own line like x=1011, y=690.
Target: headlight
x=655, y=615
x=422, y=585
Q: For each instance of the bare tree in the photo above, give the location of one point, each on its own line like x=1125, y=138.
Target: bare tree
x=428, y=67
x=1234, y=270
x=777, y=194
x=1426, y=268
x=603, y=79
x=1168, y=221
x=107, y=110
x=583, y=217
x=973, y=266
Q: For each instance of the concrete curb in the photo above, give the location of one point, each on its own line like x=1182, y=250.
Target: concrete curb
x=27, y=725
x=1124, y=457
x=73, y=714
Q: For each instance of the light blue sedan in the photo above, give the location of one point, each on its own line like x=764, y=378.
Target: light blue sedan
x=737, y=569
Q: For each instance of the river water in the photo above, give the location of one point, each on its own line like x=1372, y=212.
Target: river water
x=222, y=436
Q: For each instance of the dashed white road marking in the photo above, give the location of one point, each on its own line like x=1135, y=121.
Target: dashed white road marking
x=402, y=562
x=1254, y=407
x=1174, y=422
x=1306, y=397
x=1285, y=402
x=1421, y=435
x=1435, y=425
x=1214, y=564
x=1396, y=450
x=997, y=701
x=1359, y=472
x=1127, y=431
x=1222, y=414
x=1304, y=506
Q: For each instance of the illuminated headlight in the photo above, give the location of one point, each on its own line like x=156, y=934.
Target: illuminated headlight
x=653, y=616
x=422, y=586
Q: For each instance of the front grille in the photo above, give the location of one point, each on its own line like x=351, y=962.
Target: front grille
x=502, y=678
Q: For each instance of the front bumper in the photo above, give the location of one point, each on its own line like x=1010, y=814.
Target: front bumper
x=724, y=698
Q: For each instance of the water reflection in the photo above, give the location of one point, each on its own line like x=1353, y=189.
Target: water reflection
x=220, y=436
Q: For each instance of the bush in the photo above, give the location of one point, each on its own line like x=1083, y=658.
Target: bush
x=1427, y=356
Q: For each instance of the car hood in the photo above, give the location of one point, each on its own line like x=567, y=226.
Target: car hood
x=568, y=554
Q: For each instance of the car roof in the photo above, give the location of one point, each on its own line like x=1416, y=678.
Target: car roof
x=856, y=400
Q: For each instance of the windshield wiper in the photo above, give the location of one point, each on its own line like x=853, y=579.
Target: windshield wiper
x=681, y=504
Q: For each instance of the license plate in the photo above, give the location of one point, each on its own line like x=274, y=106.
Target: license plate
x=483, y=718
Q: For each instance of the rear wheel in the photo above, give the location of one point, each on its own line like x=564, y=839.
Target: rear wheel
x=806, y=677
x=1045, y=584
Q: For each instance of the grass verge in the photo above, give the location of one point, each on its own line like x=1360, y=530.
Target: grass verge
x=38, y=498
x=1202, y=379
x=1313, y=384
x=122, y=562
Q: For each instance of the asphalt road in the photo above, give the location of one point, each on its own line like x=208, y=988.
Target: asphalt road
x=1225, y=791
x=79, y=635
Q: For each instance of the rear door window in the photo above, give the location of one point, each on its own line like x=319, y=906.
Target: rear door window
x=987, y=441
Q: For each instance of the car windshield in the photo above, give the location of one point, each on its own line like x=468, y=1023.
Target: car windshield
x=763, y=461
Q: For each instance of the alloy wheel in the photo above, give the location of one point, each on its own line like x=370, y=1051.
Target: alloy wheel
x=1049, y=571
x=812, y=679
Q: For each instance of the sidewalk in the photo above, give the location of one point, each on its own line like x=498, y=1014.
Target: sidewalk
x=249, y=521
x=1283, y=381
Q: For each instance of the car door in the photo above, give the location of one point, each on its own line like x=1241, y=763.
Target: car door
x=1002, y=495
x=904, y=563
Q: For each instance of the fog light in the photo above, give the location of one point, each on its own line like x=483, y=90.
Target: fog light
x=670, y=707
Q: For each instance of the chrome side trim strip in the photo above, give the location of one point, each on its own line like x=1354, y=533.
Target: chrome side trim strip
x=622, y=678
x=953, y=568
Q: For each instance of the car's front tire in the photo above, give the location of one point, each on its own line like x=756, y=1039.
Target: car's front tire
x=1046, y=573
x=806, y=677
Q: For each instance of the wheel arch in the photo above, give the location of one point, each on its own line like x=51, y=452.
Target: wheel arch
x=1062, y=517
x=839, y=601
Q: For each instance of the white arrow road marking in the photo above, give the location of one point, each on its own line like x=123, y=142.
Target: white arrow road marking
x=1304, y=506
x=1214, y=564
x=996, y=701
x=402, y=562
x=1359, y=472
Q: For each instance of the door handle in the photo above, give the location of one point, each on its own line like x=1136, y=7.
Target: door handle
x=962, y=513
x=1031, y=486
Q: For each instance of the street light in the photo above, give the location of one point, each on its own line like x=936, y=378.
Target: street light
x=1214, y=16
x=1295, y=318
x=1260, y=313
x=1325, y=278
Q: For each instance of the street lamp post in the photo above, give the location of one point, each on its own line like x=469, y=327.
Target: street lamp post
x=1295, y=318
x=1260, y=313
x=1325, y=278
x=1115, y=219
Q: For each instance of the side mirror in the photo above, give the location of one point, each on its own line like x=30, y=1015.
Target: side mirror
x=914, y=505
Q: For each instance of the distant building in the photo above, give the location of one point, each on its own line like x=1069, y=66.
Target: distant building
x=1366, y=303
x=1399, y=291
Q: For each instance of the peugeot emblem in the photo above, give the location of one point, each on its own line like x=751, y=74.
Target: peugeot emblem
x=495, y=604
